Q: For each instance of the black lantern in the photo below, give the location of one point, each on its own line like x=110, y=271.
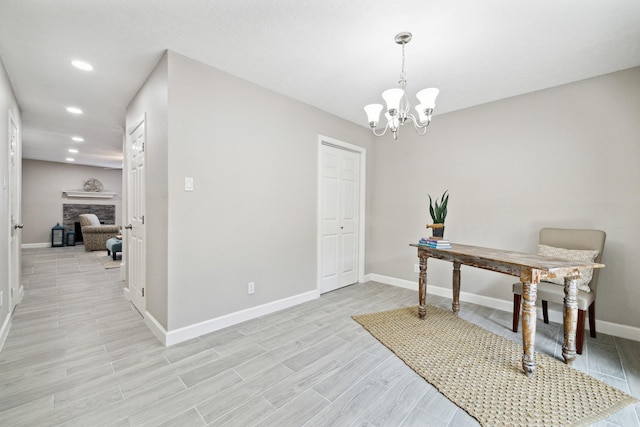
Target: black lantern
x=57, y=236
x=71, y=238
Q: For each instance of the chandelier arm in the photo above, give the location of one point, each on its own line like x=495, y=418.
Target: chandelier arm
x=421, y=132
x=416, y=124
x=383, y=132
x=421, y=129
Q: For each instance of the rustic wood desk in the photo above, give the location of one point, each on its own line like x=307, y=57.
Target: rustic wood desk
x=530, y=269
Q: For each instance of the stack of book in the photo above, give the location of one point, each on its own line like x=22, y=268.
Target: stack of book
x=435, y=243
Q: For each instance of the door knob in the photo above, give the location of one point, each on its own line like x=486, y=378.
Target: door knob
x=128, y=227
x=16, y=226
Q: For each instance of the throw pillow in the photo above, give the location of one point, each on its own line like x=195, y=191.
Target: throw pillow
x=574, y=255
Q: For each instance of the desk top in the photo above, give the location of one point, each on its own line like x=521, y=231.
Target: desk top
x=508, y=262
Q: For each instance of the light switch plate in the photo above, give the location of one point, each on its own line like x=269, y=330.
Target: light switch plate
x=188, y=183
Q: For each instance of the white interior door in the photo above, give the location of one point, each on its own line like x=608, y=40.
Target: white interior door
x=135, y=245
x=339, y=217
x=15, y=224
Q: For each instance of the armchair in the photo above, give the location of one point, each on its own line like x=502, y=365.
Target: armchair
x=94, y=234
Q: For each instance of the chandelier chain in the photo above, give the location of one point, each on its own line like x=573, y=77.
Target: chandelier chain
x=403, y=76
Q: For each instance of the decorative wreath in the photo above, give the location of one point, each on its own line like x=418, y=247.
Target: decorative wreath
x=93, y=185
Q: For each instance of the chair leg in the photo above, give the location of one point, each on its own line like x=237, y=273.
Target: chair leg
x=592, y=319
x=545, y=311
x=580, y=331
x=516, y=311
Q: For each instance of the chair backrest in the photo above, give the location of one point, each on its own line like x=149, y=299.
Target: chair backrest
x=89, y=219
x=569, y=238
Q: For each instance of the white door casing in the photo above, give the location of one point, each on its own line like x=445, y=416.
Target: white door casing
x=15, y=225
x=135, y=233
x=340, y=242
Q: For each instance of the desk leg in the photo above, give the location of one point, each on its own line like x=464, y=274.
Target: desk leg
x=422, y=288
x=570, y=316
x=530, y=280
x=455, y=305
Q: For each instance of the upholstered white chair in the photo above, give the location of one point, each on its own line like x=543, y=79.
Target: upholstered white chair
x=577, y=243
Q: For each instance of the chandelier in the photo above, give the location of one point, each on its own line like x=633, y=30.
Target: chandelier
x=398, y=104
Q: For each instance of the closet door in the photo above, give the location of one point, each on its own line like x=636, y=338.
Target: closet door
x=339, y=217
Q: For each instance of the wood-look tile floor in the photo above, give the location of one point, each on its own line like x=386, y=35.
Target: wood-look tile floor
x=79, y=355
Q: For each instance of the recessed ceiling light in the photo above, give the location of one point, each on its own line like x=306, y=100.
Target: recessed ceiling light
x=69, y=159
x=74, y=110
x=78, y=139
x=81, y=65
x=73, y=150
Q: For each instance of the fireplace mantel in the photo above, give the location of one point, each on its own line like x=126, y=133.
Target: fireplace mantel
x=89, y=194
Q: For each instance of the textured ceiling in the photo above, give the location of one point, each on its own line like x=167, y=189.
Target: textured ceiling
x=335, y=55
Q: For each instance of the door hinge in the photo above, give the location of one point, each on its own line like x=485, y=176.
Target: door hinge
x=142, y=219
x=143, y=147
x=142, y=291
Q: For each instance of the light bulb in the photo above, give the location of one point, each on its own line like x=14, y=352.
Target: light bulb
x=427, y=97
x=392, y=97
x=422, y=117
x=373, y=113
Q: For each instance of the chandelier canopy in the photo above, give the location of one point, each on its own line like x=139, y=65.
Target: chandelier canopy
x=397, y=113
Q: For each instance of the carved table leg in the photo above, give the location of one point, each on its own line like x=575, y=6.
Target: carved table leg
x=530, y=280
x=570, y=316
x=455, y=305
x=422, y=288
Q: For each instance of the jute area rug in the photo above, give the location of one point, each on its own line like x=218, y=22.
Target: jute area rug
x=481, y=372
x=106, y=260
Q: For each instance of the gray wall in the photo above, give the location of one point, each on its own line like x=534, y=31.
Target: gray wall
x=152, y=101
x=565, y=157
x=42, y=198
x=7, y=102
x=252, y=217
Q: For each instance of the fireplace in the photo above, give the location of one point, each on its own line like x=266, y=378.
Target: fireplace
x=71, y=216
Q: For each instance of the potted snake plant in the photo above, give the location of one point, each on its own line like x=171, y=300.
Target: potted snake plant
x=438, y=211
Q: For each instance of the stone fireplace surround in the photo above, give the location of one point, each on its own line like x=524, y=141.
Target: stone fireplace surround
x=71, y=216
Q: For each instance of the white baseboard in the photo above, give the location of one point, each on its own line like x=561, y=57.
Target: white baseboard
x=615, y=329
x=123, y=269
x=610, y=328
x=151, y=322
x=618, y=330
x=6, y=324
x=169, y=338
x=445, y=292
x=35, y=245
x=158, y=330
x=4, y=330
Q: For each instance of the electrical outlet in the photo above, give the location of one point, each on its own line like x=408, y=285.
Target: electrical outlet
x=416, y=268
x=251, y=288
